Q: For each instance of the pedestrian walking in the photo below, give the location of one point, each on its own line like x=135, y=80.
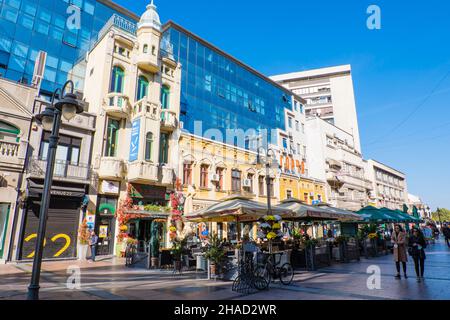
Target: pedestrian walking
x=399, y=241
x=417, y=246
x=446, y=232
x=93, y=244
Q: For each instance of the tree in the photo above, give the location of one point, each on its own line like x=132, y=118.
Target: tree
x=441, y=214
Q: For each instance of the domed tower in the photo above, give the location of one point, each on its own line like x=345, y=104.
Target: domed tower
x=148, y=37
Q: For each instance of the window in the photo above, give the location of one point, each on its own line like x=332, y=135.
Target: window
x=112, y=137
x=117, y=80
x=290, y=122
x=289, y=194
x=164, y=149
x=68, y=150
x=271, y=193
x=8, y=132
x=187, y=174
x=204, y=176
x=219, y=172
x=148, y=146
x=165, y=95
x=142, y=88
x=250, y=177
x=297, y=125
x=303, y=128
x=261, y=185
x=235, y=181
x=145, y=48
x=285, y=144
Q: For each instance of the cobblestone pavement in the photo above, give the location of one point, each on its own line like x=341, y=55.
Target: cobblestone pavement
x=109, y=279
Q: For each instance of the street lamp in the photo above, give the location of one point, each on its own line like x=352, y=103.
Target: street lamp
x=68, y=106
x=269, y=153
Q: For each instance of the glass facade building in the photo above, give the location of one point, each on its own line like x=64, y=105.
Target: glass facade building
x=28, y=26
x=220, y=91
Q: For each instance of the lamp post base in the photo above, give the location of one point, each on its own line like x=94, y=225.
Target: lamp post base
x=33, y=292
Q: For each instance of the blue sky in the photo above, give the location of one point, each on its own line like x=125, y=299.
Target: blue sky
x=399, y=72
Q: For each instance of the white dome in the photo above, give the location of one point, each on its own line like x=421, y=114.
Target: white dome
x=150, y=18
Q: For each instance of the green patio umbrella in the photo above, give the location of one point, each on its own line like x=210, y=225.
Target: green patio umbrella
x=374, y=215
x=396, y=216
x=408, y=217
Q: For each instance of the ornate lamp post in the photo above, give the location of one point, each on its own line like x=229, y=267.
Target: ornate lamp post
x=269, y=153
x=68, y=106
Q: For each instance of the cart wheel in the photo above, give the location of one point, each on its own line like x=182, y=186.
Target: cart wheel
x=260, y=283
x=263, y=272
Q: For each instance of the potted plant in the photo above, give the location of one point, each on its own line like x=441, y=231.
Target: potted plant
x=178, y=249
x=214, y=253
x=83, y=240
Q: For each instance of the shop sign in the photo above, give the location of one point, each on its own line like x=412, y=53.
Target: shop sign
x=135, y=134
x=110, y=187
x=90, y=221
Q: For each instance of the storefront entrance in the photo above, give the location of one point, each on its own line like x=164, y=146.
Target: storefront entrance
x=62, y=228
x=105, y=225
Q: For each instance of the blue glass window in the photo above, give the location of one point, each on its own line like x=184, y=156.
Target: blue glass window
x=20, y=49
x=26, y=21
x=13, y=3
x=29, y=8
x=9, y=14
x=5, y=44
x=41, y=27
x=50, y=74
x=45, y=15
x=89, y=7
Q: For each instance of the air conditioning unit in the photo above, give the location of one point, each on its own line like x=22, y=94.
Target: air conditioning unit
x=215, y=178
x=247, y=183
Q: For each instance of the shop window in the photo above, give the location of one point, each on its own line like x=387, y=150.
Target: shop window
x=142, y=88
x=148, y=146
x=117, y=80
x=112, y=138
x=204, y=176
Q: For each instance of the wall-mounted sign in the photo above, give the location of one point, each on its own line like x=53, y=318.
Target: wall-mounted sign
x=110, y=187
x=103, y=232
x=90, y=220
x=135, y=134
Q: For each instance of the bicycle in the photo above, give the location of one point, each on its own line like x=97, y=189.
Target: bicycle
x=271, y=270
x=247, y=278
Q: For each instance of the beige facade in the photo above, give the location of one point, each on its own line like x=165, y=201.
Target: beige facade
x=133, y=86
x=16, y=101
x=334, y=159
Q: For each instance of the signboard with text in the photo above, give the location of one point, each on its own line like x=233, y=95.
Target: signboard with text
x=135, y=135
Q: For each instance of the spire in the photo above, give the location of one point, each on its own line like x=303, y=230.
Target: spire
x=150, y=18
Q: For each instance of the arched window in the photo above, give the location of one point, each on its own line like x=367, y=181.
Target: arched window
x=165, y=95
x=9, y=132
x=117, y=80
x=145, y=48
x=142, y=88
x=148, y=146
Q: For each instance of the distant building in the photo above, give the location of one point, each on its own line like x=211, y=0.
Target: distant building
x=333, y=158
x=389, y=186
x=422, y=208
x=329, y=94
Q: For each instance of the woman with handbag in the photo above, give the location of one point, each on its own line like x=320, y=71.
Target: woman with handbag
x=398, y=239
x=417, y=246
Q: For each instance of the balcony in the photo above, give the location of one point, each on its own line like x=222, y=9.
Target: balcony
x=148, y=61
x=64, y=170
x=169, y=120
x=9, y=150
x=166, y=176
x=145, y=107
x=111, y=168
x=142, y=172
x=117, y=105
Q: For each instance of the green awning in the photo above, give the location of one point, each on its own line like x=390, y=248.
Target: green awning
x=373, y=215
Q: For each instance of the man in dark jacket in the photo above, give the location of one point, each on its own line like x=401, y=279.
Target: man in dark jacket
x=446, y=232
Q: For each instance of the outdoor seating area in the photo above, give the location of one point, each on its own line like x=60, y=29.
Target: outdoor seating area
x=268, y=244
